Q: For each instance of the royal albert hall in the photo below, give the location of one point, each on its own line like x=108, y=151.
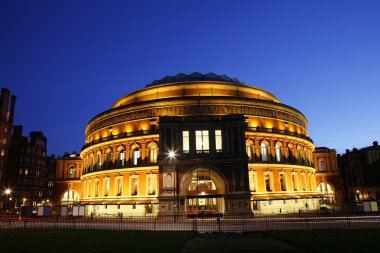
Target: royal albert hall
x=197, y=144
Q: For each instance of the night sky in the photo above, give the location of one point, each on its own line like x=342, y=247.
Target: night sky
x=67, y=61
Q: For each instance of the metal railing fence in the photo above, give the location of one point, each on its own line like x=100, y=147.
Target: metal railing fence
x=227, y=223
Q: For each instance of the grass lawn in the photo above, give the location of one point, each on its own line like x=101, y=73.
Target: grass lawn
x=187, y=242
x=91, y=241
x=331, y=240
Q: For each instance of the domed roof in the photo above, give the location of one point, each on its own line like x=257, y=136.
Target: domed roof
x=195, y=76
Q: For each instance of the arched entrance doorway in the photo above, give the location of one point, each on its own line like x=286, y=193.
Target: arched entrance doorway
x=327, y=192
x=203, y=190
x=69, y=197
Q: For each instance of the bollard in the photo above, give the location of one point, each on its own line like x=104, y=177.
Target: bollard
x=218, y=221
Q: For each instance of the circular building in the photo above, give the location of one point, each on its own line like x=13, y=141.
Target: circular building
x=198, y=144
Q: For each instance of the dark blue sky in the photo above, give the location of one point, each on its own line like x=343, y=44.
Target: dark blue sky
x=67, y=61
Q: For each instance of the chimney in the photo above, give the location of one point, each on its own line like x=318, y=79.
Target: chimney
x=375, y=144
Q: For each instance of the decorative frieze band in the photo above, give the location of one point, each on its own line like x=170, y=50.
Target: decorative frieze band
x=196, y=110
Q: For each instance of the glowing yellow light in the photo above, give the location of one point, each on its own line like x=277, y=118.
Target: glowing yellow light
x=7, y=191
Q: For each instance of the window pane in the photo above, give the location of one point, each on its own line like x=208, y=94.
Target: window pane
x=185, y=141
x=264, y=152
x=218, y=140
x=198, y=140
x=205, y=140
x=107, y=187
x=136, y=156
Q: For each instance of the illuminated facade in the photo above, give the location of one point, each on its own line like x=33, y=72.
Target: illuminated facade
x=198, y=144
x=328, y=179
x=67, y=186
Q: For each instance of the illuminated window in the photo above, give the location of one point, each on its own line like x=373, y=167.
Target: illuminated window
x=185, y=142
x=122, y=158
x=134, y=185
x=71, y=172
x=278, y=153
x=136, y=156
x=268, y=187
x=248, y=150
x=2, y=152
x=264, y=152
x=107, y=186
x=69, y=196
x=100, y=159
x=119, y=186
x=218, y=140
x=321, y=164
x=153, y=154
x=202, y=141
x=152, y=179
x=109, y=157
x=252, y=181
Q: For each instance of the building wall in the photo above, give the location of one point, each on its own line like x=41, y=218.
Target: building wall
x=360, y=173
x=26, y=168
x=67, y=189
x=137, y=123
x=7, y=107
x=328, y=178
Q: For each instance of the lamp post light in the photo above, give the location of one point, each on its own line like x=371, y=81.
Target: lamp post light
x=8, y=198
x=172, y=156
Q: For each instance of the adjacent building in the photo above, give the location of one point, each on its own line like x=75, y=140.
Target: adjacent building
x=26, y=168
x=67, y=186
x=7, y=107
x=360, y=172
x=327, y=176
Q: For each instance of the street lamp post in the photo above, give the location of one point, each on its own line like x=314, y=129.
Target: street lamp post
x=7, y=193
x=172, y=156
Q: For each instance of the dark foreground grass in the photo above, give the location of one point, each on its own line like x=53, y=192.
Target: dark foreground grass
x=187, y=242
x=331, y=240
x=92, y=241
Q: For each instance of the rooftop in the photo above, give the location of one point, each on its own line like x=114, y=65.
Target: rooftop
x=195, y=76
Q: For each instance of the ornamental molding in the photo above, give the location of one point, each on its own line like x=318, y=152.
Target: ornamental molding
x=187, y=110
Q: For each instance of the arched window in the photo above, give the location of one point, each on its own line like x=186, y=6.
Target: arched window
x=299, y=156
x=264, y=152
x=70, y=196
x=321, y=164
x=152, y=152
x=136, y=156
x=248, y=149
x=108, y=156
x=122, y=157
x=267, y=178
x=327, y=191
x=278, y=153
x=100, y=159
x=72, y=172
